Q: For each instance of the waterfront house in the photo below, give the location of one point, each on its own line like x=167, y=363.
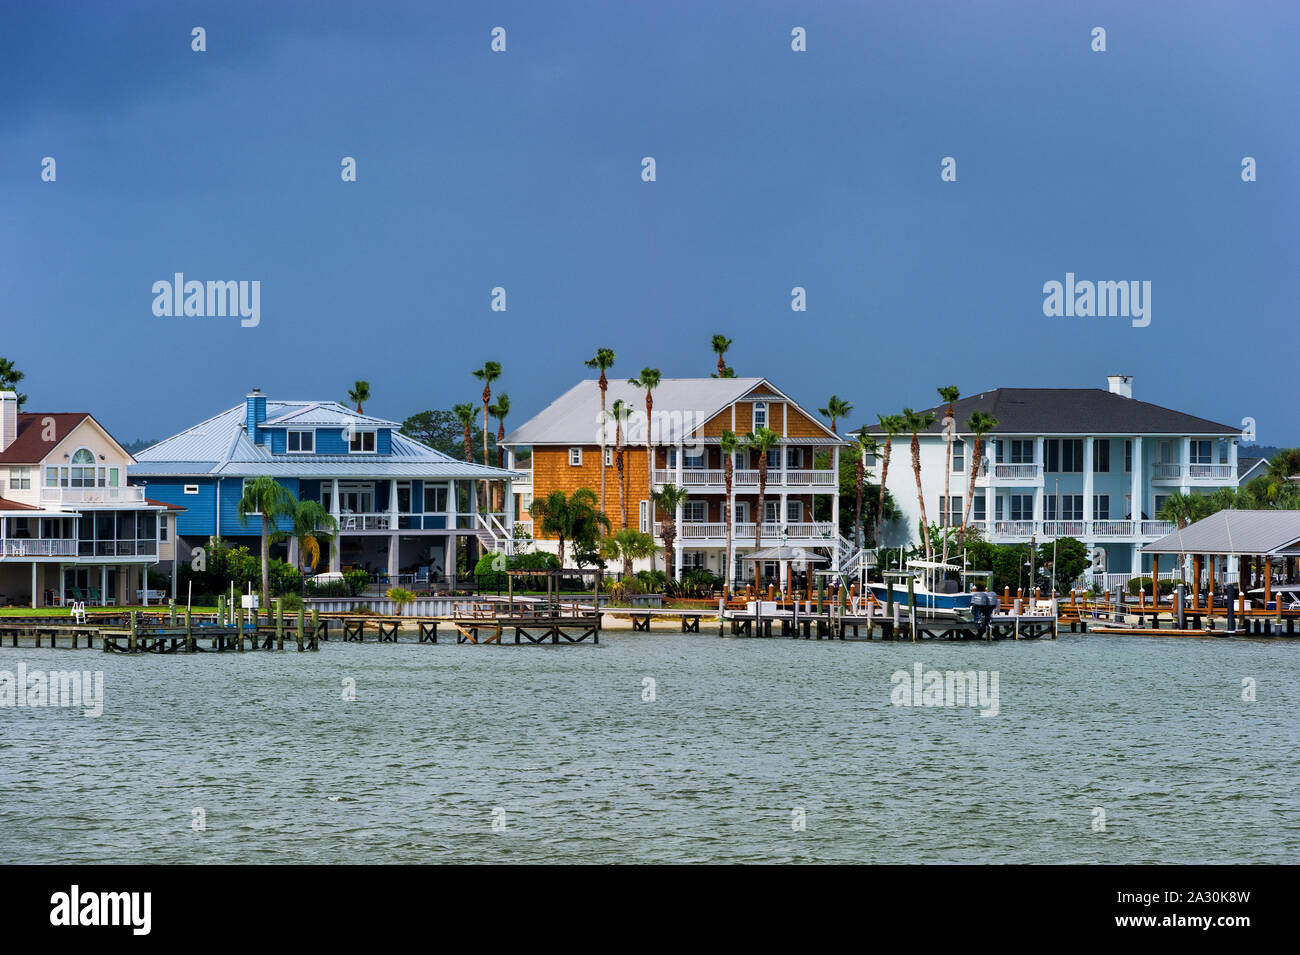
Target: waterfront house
x=1089, y=463
x=71, y=528
x=402, y=508
x=801, y=505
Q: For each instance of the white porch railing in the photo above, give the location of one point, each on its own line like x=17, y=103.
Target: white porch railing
x=1016, y=472
x=816, y=533
x=748, y=478
x=1207, y=473
x=40, y=547
x=372, y=521
x=115, y=496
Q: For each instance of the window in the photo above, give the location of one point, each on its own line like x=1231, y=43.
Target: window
x=1199, y=451
x=644, y=513
x=693, y=459
x=51, y=477
x=694, y=512
x=362, y=442
x=1065, y=507
x=1160, y=503
x=794, y=511
x=954, y=510
x=760, y=414
x=959, y=457
x=1101, y=507
x=191, y=489
x=1064, y=455
x=1101, y=456
x=794, y=457
x=773, y=458
x=609, y=457
x=742, y=512
x=771, y=512
x=435, y=498
x=575, y=457
x=301, y=442
x=162, y=528
x=20, y=479
x=82, y=472
x=1128, y=457
x=977, y=510
x=692, y=559
x=1015, y=451
x=1022, y=507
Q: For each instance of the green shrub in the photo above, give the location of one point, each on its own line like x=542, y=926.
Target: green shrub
x=490, y=571
x=357, y=581
x=1144, y=583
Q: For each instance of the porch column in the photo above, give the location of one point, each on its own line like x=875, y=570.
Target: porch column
x=293, y=552
x=990, y=488
x=1185, y=460
x=677, y=544
x=336, y=545
x=103, y=584
x=1232, y=461
x=34, y=591
x=1088, y=463
x=392, y=504
x=62, y=597
x=394, y=549
x=1135, y=489
x=835, y=501
x=510, y=515
x=1040, y=491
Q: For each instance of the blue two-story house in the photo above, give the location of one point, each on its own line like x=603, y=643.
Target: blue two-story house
x=401, y=507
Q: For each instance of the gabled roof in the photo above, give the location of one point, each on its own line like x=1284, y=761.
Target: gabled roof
x=8, y=505
x=220, y=446
x=30, y=446
x=1249, y=468
x=1243, y=533
x=1081, y=411
x=681, y=406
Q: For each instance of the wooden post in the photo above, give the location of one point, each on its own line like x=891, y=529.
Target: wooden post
x=1155, y=582
x=171, y=612
x=315, y=632
x=279, y=623
x=189, y=632
x=130, y=637
x=221, y=610
x=1196, y=582
x=300, y=616
x=1268, y=579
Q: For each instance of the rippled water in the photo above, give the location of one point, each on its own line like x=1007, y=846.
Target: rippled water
x=742, y=732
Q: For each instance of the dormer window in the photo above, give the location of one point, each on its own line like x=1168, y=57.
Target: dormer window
x=760, y=414
x=362, y=442
x=301, y=442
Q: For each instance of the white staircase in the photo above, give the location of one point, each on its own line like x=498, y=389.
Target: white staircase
x=493, y=534
x=851, y=559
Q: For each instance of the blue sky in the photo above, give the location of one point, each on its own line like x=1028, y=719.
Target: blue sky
x=523, y=170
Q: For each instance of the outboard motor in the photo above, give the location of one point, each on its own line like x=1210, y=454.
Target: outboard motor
x=982, y=605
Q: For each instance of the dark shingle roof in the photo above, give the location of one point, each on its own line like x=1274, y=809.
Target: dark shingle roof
x=1072, y=411
x=30, y=446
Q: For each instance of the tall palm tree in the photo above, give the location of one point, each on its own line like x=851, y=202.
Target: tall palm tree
x=360, y=393
x=730, y=445
x=568, y=517
x=649, y=380
x=866, y=444
x=670, y=497
x=979, y=424
x=1182, y=509
x=604, y=360
x=916, y=422
x=312, y=523
x=760, y=441
x=9, y=378
x=465, y=415
x=489, y=373
x=499, y=409
x=628, y=545
x=891, y=424
x=620, y=413
x=836, y=408
x=720, y=345
x=270, y=500
x=949, y=394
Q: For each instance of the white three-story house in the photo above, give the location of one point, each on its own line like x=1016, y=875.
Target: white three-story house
x=1096, y=465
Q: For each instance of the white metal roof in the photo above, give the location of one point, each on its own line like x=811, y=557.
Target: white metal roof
x=1229, y=532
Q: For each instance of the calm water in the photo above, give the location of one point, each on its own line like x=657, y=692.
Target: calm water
x=742, y=731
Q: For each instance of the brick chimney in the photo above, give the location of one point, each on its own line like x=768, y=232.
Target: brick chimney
x=8, y=419
x=1121, y=385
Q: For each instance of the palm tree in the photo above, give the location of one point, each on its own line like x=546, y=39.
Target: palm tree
x=979, y=424
x=604, y=360
x=489, y=373
x=891, y=424
x=311, y=523
x=949, y=394
x=620, y=413
x=499, y=409
x=465, y=415
x=360, y=393
x=649, y=380
x=568, y=517
x=836, y=408
x=761, y=440
x=916, y=422
x=866, y=444
x=720, y=345
x=1182, y=509
x=628, y=545
x=9, y=378
x=730, y=445
x=271, y=501
x=670, y=497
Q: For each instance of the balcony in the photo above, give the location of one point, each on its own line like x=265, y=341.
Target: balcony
x=1010, y=475
x=40, y=547
x=715, y=479
x=93, y=496
x=809, y=533
x=1193, y=475
x=1002, y=531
